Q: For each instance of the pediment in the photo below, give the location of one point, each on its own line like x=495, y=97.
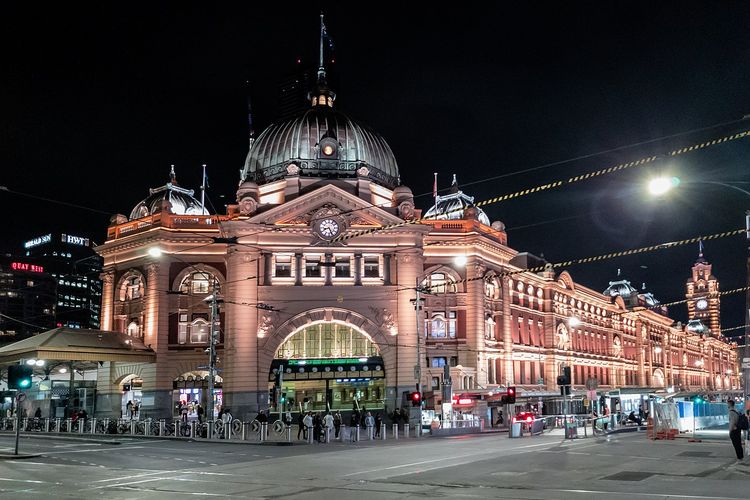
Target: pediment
x=327, y=200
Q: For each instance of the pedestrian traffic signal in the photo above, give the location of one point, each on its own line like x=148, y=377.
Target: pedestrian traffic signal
x=19, y=376
x=416, y=398
x=511, y=395
x=564, y=378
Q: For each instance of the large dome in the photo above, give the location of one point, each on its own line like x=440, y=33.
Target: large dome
x=321, y=142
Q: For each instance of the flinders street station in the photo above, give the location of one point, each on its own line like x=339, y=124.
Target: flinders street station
x=308, y=285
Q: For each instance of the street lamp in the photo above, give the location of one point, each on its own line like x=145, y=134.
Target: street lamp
x=662, y=185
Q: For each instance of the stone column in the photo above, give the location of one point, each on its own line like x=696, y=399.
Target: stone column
x=475, y=316
x=108, y=298
x=267, y=269
x=357, y=269
x=157, y=382
x=328, y=269
x=245, y=382
x=298, y=269
x=400, y=378
x=507, y=335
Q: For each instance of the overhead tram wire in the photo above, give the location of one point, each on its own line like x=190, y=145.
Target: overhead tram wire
x=599, y=153
x=559, y=183
x=517, y=172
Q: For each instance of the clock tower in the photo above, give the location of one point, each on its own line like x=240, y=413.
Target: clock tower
x=703, y=294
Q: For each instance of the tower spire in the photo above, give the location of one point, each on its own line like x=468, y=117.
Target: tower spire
x=321, y=65
x=321, y=95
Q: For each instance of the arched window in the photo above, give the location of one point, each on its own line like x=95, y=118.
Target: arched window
x=327, y=340
x=440, y=282
x=134, y=329
x=442, y=325
x=131, y=287
x=198, y=283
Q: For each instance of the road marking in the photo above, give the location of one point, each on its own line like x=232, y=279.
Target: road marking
x=660, y=495
x=98, y=449
x=23, y=480
x=134, y=476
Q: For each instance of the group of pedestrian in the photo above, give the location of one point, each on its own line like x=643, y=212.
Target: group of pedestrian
x=132, y=408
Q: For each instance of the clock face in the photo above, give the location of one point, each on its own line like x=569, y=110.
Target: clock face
x=328, y=228
x=701, y=304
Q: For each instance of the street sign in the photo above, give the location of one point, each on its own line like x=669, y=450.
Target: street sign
x=21, y=397
x=278, y=426
x=746, y=365
x=746, y=360
x=586, y=403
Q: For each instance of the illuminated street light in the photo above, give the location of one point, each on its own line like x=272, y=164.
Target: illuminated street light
x=661, y=185
x=155, y=252
x=460, y=260
x=63, y=370
x=31, y=362
x=39, y=362
x=574, y=322
x=657, y=350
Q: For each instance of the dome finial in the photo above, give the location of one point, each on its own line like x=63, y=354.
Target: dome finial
x=172, y=176
x=454, y=185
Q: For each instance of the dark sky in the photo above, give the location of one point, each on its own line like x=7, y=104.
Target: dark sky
x=97, y=101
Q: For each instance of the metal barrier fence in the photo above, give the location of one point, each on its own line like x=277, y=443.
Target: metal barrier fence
x=235, y=430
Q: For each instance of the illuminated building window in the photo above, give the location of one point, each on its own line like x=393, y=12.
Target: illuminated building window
x=372, y=266
x=312, y=266
x=134, y=329
x=440, y=283
x=439, y=362
x=283, y=266
x=199, y=330
x=131, y=288
x=343, y=267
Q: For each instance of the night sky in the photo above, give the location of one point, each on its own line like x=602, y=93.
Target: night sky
x=96, y=102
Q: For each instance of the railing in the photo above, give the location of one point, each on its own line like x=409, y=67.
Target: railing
x=235, y=430
x=166, y=220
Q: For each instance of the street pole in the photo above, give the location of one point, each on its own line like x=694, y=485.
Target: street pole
x=212, y=352
x=418, y=366
x=18, y=420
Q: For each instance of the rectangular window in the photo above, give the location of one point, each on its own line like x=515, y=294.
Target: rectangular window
x=452, y=324
x=343, y=267
x=283, y=266
x=435, y=383
x=182, y=333
x=312, y=266
x=454, y=361
x=199, y=283
x=437, y=326
x=438, y=362
x=372, y=266
x=199, y=332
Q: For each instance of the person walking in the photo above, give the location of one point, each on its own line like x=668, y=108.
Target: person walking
x=183, y=412
x=735, y=434
x=337, y=423
x=38, y=413
x=226, y=419
x=129, y=408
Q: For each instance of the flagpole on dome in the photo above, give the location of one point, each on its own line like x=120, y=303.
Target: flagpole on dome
x=321, y=68
x=435, y=194
x=203, y=191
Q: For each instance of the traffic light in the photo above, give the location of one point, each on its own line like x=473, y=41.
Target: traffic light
x=283, y=398
x=416, y=398
x=19, y=376
x=697, y=399
x=511, y=395
x=564, y=379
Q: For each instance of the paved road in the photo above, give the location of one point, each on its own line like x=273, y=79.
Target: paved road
x=492, y=466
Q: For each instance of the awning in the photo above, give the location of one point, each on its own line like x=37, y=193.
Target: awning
x=76, y=344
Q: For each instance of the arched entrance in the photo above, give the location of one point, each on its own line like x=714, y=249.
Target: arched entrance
x=191, y=389
x=327, y=365
x=132, y=393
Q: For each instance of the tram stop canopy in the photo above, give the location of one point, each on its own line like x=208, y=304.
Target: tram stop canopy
x=78, y=345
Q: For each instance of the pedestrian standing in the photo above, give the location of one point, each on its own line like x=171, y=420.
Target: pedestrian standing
x=200, y=411
x=337, y=423
x=328, y=421
x=307, y=422
x=370, y=424
x=734, y=431
x=378, y=424
x=226, y=419
x=129, y=408
x=302, y=430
